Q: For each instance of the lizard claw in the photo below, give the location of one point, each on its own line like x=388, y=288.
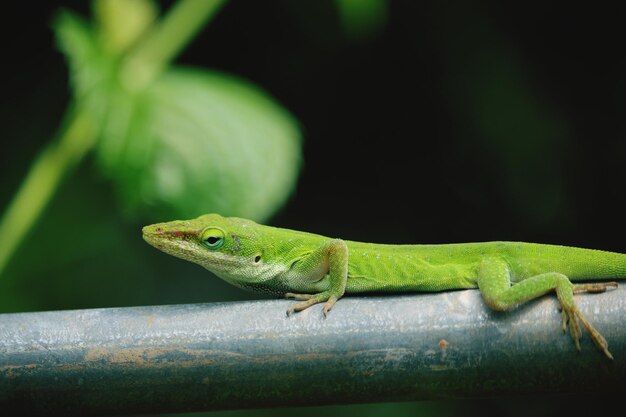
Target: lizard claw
x=312, y=299
x=571, y=315
x=298, y=297
x=329, y=305
x=594, y=287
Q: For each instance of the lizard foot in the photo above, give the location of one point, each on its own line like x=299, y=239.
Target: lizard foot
x=594, y=287
x=571, y=315
x=311, y=299
x=298, y=297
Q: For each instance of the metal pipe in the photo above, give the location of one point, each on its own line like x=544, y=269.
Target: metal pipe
x=249, y=354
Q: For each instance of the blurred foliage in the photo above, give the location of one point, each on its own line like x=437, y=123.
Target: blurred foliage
x=176, y=142
x=362, y=19
x=190, y=142
x=120, y=24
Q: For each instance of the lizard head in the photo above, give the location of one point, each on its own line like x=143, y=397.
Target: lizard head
x=229, y=247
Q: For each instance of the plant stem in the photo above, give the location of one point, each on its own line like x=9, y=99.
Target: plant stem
x=167, y=39
x=75, y=139
x=77, y=135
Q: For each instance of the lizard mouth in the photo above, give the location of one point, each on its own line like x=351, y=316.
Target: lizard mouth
x=154, y=235
x=166, y=231
x=174, y=242
x=155, y=239
x=183, y=244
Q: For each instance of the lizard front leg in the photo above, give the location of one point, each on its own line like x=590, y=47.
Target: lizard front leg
x=331, y=258
x=495, y=286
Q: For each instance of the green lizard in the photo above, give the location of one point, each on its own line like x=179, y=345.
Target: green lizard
x=313, y=269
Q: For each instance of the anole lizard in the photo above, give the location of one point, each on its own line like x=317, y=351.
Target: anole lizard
x=314, y=269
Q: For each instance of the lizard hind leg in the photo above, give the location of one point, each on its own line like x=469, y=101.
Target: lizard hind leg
x=495, y=285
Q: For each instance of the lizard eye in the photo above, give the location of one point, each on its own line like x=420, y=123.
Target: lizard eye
x=213, y=238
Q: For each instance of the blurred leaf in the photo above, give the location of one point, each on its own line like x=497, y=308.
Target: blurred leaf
x=191, y=142
x=220, y=143
x=362, y=19
x=198, y=141
x=122, y=22
x=89, y=68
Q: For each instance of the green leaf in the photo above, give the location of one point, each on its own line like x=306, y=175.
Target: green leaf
x=122, y=22
x=217, y=144
x=192, y=142
x=89, y=68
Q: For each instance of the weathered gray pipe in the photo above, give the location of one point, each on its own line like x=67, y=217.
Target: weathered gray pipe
x=249, y=354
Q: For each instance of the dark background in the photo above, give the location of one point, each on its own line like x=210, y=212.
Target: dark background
x=457, y=121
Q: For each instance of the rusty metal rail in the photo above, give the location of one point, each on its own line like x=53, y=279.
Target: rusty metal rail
x=249, y=354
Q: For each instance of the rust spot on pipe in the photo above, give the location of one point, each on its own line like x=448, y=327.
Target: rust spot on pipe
x=13, y=371
x=148, y=357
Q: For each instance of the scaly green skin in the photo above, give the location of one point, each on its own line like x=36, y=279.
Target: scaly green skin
x=314, y=269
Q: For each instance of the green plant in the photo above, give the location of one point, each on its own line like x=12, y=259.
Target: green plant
x=176, y=142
